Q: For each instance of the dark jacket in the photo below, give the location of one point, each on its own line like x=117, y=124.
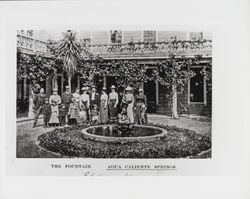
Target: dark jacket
x=39, y=101
x=95, y=101
x=46, y=110
x=66, y=98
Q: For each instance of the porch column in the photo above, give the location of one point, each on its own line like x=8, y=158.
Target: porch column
x=54, y=80
x=31, y=95
x=48, y=85
x=157, y=92
x=25, y=87
x=188, y=88
x=78, y=81
x=105, y=81
x=205, y=88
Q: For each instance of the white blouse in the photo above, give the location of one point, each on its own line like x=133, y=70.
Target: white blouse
x=104, y=97
x=76, y=96
x=112, y=96
x=85, y=98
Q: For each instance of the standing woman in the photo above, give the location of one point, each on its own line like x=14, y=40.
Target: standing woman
x=103, y=106
x=141, y=108
x=76, y=97
x=54, y=101
x=113, y=101
x=84, y=105
x=128, y=99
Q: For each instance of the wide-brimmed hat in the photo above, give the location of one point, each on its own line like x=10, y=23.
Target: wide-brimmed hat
x=140, y=90
x=54, y=90
x=67, y=87
x=113, y=86
x=84, y=88
x=128, y=88
x=104, y=89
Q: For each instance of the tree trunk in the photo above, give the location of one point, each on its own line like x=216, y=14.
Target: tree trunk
x=174, y=103
x=69, y=81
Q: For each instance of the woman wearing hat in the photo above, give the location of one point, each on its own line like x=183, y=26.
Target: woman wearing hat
x=141, y=107
x=76, y=96
x=84, y=105
x=54, y=101
x=128, y=99
x=103, y=106
x=113, y=101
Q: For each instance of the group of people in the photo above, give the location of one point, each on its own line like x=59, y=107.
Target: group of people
x=77, y=108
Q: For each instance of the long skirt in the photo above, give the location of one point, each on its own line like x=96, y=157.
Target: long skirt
x=103, y=112
x=73, y=113
x=54, y=115
x=140, y=115
x=83, y=114
x=112, y=110
x=130, y=112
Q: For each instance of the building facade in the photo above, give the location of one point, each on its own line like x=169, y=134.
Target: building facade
x=146, y=48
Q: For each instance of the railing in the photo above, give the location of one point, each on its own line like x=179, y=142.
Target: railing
x=139, y=49
x=156, y=49
x=31, y=44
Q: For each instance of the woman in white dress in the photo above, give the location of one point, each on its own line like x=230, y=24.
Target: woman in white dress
x=128, y=99
x=84, y=105
x=113, y=101
x=54, y=101
x=76, y=97
x=103, y=106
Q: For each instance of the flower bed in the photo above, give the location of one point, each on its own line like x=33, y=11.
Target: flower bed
x=178, y=143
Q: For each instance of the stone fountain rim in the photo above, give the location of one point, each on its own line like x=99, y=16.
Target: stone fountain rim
x=106, y=139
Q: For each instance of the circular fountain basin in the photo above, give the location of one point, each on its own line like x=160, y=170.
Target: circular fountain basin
x=108, y=133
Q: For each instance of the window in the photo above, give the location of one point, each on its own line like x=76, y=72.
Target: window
x=197, y=86
x=149, y=36
x=196, y=36
x=85, y=41
x=116, y=36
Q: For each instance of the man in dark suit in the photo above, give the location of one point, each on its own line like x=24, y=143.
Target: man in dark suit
x=94, y=97
x=66, y=99
x=38, y=104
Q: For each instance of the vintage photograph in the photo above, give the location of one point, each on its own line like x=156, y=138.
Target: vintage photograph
x=114, y=94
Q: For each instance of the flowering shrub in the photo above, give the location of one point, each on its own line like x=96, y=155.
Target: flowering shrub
x=178, y=143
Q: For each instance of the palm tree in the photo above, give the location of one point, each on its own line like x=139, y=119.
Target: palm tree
x=69, y=50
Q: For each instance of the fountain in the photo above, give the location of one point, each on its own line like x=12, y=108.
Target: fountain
x=125, y=141
x=123, y=133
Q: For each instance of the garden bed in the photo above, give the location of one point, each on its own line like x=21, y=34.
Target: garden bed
x=178, y=143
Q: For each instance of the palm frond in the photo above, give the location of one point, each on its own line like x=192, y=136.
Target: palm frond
x=69, y=50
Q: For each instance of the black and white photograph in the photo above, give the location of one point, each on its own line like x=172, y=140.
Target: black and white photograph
x=123, y=99
x=114, y=94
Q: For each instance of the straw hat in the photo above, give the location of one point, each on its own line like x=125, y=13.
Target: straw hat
x=140, y=90
x=112, y=87
x=104, y=88
x=84, y=88
x=54, y=90
x=67, y=87
x=128, y=88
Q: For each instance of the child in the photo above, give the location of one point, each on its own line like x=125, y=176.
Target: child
x=73, y=111
x=46, y=110
x=123, y=117
x=62, y=115
x=95, y=114
x=142, y=117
